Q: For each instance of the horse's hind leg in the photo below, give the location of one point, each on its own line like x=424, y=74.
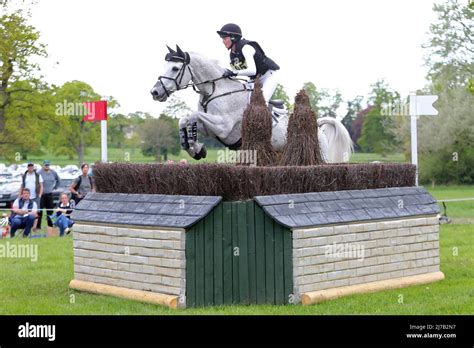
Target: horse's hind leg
x=188, y=129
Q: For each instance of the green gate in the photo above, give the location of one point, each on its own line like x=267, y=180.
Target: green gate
x=238, y=255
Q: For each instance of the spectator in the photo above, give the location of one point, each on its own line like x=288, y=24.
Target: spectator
x=51, y=182
x=82, y=185
x=33, y=182
x=183, y=161
x=62, y=214
x=23, y=213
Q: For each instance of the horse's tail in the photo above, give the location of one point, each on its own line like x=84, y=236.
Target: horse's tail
x=339, y=140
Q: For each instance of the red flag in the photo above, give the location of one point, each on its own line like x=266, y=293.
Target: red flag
x=97, y=111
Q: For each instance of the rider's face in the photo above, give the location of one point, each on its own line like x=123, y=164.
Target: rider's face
x=227, y=42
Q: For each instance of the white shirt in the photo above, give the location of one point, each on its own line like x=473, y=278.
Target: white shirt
x=30, y=183
x=248, y=52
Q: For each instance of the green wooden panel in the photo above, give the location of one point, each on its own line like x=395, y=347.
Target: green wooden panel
x=218, y=257
x=190, y=268
x=235, y=257
x=251, y=251
x=200, y=252
x=209, y=259
x=259, y=271
x=227, y=251
x=288, y=264
x=244, y=295
x=260, y=254
x=269, y=261
x=279, y=270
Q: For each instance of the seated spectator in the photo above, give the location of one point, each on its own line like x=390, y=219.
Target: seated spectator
x=62, y=215
x=24, y=213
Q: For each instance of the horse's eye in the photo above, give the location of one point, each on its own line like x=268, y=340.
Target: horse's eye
x=175, y=68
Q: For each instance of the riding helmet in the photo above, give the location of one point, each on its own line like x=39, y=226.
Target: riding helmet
x=232, y=30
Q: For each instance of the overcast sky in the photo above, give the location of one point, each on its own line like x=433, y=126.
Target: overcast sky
x=118, y=46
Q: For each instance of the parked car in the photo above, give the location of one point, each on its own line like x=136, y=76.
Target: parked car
x=8, y=193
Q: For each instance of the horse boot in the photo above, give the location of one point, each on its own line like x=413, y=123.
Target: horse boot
x=192, y=132
x=183, y=134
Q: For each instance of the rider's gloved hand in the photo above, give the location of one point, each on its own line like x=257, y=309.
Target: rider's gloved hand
x=228, y=73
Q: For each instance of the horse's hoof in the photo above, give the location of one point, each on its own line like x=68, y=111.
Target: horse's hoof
x=203, y=152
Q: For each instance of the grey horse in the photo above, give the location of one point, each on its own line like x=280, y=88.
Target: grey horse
x=222, y=103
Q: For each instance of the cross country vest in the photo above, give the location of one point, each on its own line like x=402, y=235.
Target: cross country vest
x=38, y=187
x=20, y=206
x=262, y=62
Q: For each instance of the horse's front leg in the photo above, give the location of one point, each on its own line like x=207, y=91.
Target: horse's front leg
x=188, y=130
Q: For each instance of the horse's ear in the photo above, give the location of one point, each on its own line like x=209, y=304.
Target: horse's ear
x=180, y=52
x=171, y=50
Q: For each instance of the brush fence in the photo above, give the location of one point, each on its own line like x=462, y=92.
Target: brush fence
x=193, y=251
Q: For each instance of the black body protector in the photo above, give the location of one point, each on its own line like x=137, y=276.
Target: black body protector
x=262, y=62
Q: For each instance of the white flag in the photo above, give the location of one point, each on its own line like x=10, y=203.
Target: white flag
x=423, y=105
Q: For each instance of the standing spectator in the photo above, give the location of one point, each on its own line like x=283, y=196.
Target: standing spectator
x=23, y=213
x=33, y=182
x=51, y=182
x=62, y=214
x=82, y=185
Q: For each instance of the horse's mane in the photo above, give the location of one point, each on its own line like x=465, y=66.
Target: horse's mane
x=205, y=58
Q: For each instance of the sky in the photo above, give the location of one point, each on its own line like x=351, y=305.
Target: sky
x=118, y=46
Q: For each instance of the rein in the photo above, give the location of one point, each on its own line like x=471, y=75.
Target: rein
x=206, y=99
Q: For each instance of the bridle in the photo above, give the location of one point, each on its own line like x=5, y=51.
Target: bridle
x=179, y=78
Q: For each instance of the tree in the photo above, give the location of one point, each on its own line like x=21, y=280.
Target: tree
x=451, y=44
x=116, y=126
x=21, y=90
x=75, y=134
x=176, y=107
x=446, y=141
x=159, y=137
x=358, y=124
x=353, y=108
x=280, y=94
x=313, y=94
x=377, y=130
x=323, y=102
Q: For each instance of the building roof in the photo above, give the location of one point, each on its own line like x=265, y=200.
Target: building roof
x=144, y=209
x=322, y=208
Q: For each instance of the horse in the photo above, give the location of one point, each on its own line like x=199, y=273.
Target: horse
x=221, y=106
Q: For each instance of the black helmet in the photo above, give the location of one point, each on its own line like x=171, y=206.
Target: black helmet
x=232, y=30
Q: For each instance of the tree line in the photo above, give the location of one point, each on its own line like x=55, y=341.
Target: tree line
x=32, y=118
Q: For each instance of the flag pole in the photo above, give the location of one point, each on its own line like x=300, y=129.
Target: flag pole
x=414, y=134
x=103, y=140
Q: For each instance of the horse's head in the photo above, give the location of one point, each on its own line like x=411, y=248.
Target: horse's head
x=177, y=75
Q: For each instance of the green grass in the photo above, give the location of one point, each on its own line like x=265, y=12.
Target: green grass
x=135, y=155
x=455, y=210
x=42, y=287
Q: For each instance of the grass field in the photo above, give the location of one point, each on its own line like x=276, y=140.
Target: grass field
x=135, y=155
x=461, y=210
x=42, y=287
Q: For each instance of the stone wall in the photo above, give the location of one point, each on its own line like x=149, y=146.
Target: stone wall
x=134, y=258
x=335, y=256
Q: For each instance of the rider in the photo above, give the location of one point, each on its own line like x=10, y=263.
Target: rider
x=248, y=59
